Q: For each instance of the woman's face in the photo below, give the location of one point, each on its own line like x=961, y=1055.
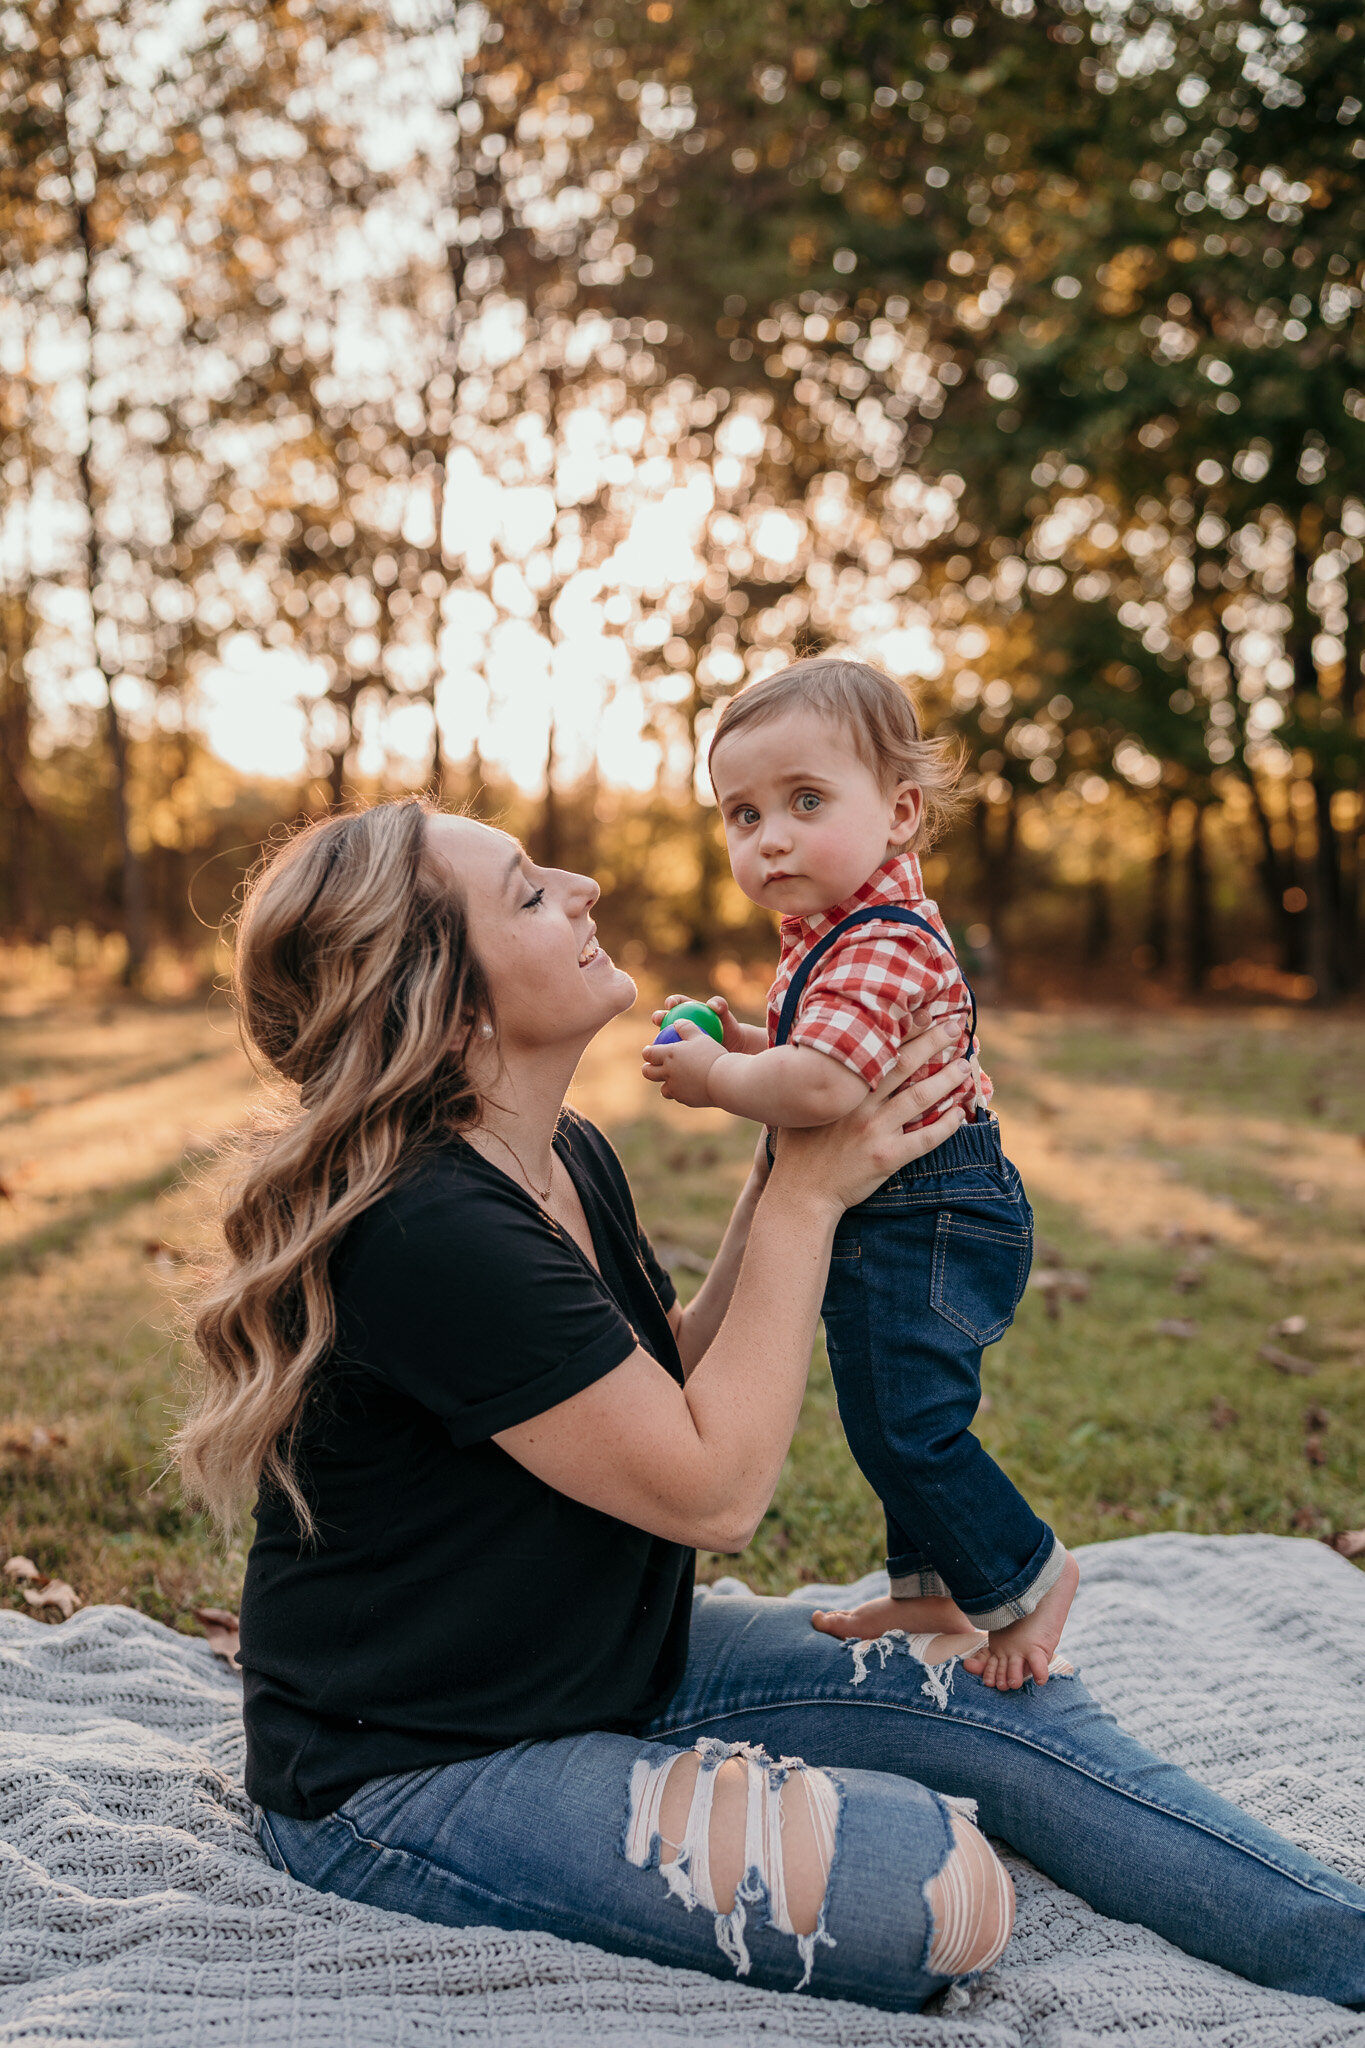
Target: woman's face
x=533, y=931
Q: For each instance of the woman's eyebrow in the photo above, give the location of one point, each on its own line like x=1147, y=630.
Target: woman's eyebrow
x=513, y=873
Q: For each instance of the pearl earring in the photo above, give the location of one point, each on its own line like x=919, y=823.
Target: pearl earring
x=485, y=1030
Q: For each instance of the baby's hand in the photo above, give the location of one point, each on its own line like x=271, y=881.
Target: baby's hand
x=733, y=1039
x=682, y=1069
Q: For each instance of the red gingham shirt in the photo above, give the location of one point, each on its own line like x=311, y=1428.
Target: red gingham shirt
x=877, y=984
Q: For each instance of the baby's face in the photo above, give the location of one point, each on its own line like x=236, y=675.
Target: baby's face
x=806, y=820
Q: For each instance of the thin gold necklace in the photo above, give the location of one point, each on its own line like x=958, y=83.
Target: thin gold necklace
x=541, y=1194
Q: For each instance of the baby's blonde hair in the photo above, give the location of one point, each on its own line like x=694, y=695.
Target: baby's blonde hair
x=878, y=717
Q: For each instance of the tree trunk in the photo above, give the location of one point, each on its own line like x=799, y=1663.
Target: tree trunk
x=1322, y=878
x=548, y=833
x=1274, y=878
x=1158, y=934
x=1199, y=955
x=1350, y=906
x=436, y=772
x=995, y=851
x=1098, y=922
x=474, y=779
x=16, y=804
x=1325, y=897
x=133, y=882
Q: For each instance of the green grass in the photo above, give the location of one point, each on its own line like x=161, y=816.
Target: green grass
x=1140, y=1137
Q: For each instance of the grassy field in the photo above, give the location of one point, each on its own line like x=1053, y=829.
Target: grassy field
x=1200, y=1172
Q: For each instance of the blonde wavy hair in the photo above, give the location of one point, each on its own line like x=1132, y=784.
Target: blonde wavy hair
x=356, y=982
x=878, y=717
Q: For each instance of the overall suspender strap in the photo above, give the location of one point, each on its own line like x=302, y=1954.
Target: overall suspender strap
x=889, y=913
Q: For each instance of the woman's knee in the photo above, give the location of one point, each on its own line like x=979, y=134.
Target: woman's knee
x=972, y=1904
x=718, y=1821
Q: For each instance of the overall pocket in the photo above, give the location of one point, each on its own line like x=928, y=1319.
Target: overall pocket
x=980, y=1269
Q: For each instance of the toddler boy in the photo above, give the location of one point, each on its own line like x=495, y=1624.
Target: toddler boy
x=827, y=789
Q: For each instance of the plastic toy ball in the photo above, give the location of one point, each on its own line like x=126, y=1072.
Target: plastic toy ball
x=690, y=1013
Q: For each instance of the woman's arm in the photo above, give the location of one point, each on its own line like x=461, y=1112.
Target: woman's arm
x=696, y=1325
x=697, y=1464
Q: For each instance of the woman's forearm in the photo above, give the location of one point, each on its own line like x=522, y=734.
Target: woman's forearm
x=702, y=1317
x=745, y=1392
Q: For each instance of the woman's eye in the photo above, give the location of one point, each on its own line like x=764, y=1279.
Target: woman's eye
x=534, y=900
x=808, y=801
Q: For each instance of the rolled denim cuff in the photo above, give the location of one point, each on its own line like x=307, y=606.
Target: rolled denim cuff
x=917, y=1585
x=1024, y=1603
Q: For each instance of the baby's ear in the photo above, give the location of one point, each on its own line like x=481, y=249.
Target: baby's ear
x=907, y=805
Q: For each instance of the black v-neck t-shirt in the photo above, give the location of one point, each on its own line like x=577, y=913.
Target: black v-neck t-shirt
x=451, y=1603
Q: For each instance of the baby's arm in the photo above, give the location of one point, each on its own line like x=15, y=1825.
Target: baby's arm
x=788, y=1085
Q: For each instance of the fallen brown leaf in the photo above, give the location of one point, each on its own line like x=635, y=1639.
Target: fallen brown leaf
x=220, y=1627
x=1177, y=1234
x=1177, y=1326
x=1313, y=1450
x=53, y=1593
x=1286, y=1362
x=1289, y=1326
x=1221, y=1414
x=41, y=1591
x=24, y=1441
x=1347, y=1542
x=1315, y=1417
x=1057, y=1284
x=1307, y=1518
x=1187, y=1279
x=163, y=1254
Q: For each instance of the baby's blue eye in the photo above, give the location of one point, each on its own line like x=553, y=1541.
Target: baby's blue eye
x=808, y=801
x=746, y=815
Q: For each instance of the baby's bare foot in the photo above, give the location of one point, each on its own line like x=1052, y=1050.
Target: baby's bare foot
x=930, y=1616
x=1025, y=1649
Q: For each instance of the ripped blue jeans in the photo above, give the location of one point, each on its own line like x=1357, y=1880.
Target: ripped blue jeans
x=563, y=1835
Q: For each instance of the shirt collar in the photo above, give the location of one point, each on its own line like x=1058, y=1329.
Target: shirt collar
x=897, y=880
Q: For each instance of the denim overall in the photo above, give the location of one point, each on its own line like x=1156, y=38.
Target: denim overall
x=925, y=1273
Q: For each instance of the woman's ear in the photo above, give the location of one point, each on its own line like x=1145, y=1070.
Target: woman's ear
x=906, y=807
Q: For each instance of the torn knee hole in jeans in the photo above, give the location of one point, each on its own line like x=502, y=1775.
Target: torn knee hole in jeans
x=970, y=1901
x=724, y=1820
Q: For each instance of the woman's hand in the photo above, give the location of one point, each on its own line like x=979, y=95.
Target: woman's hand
x=841, y=1164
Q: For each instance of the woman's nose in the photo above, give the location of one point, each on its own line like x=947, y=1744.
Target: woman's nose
x=584, y=890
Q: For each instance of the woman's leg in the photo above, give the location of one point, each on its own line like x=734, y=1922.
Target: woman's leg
x=853, y=1884
x=1053, y=1775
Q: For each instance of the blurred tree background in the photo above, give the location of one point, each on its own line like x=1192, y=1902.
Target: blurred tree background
x=470, y=399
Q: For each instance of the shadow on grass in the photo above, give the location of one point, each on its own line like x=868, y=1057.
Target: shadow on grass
x=102, y=1205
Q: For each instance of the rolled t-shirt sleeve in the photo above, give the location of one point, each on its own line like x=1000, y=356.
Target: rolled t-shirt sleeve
x=483, y=1312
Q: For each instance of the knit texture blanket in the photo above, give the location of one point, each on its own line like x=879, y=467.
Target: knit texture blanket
x=136, y=1906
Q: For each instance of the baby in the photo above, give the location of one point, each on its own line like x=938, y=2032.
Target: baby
x=827, y=790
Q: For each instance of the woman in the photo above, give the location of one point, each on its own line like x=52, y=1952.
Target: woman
x=487, y=1441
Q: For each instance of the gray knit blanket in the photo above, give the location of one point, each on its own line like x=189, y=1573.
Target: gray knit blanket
x=136, y=1906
